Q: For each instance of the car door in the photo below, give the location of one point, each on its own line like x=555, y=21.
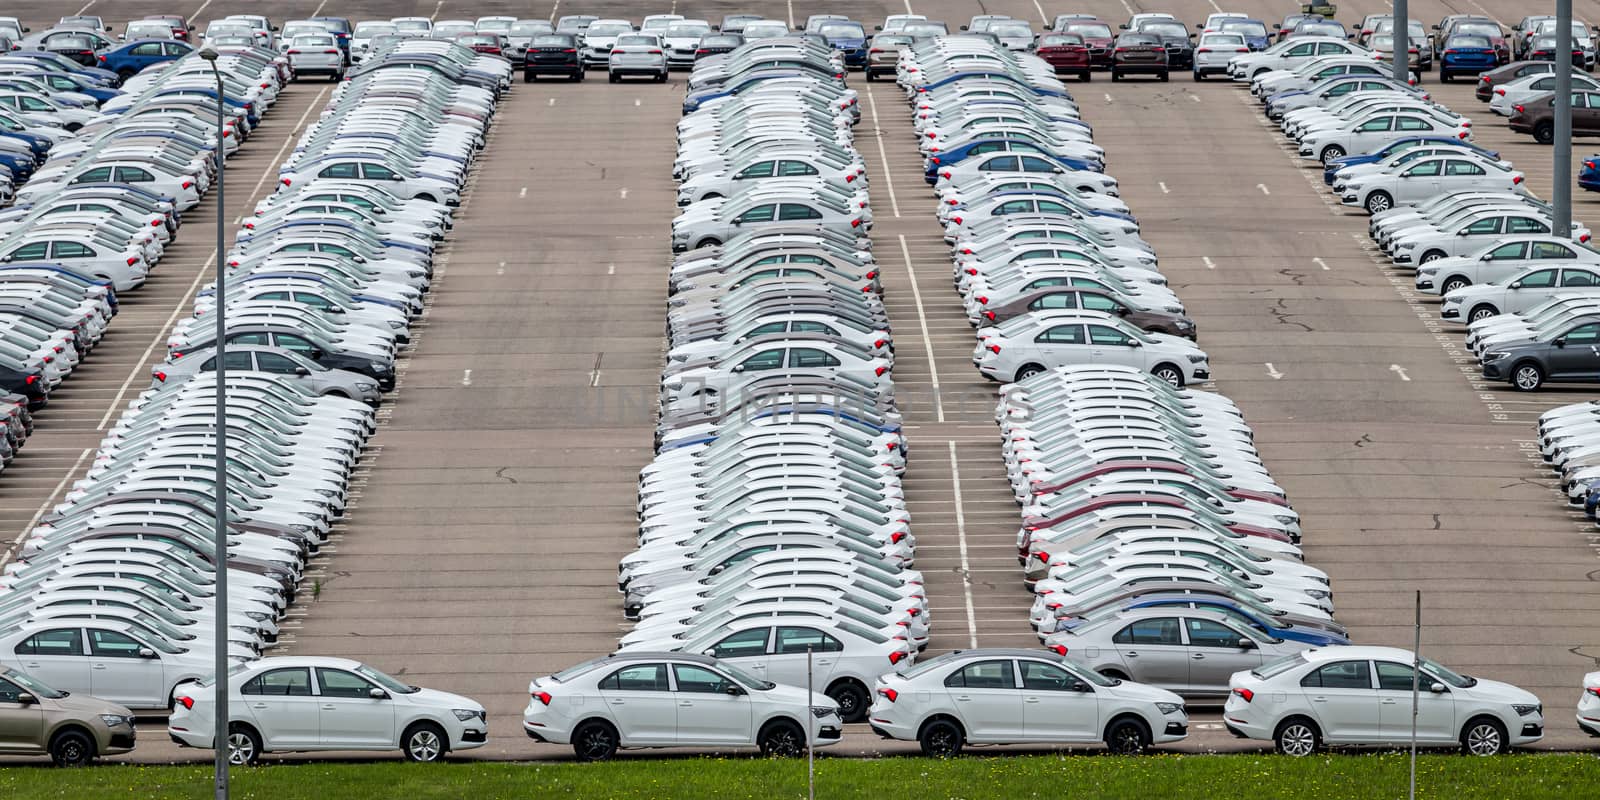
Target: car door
x=56, y=656
x=120, y=670
x=1107, y=345
x=642, y=704
x=1341, y=697
x=712, y=708
x=283, y=708
x=1436, y=711
x=1057, y=706
x=1576, y=355
x=133, y=175
x=985, y=696
x=1368, y=134
x=787, y=664
x=1215, y=654
x=33, y=251
x=1153, y=652
x=21, y=724
x=1418, y=181
x=1062, y=344
x=1503, y=262
x=1460, y=175
x=747, y=649
x=348, y=715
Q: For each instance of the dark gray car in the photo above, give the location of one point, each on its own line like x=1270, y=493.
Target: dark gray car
x=1571, y=356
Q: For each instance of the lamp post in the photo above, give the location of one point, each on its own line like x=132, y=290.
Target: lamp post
x=220, y=736
x=1402, y=42
x=1562, y=161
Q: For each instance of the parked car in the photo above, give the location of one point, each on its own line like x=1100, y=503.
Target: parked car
x=73, y=730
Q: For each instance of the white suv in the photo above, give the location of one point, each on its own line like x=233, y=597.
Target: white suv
x=1362, y=696
x=646, y=699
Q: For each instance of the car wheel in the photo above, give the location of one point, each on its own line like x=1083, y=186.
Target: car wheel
x=1084, y=76
x=1127, y=737
x=1483, y=736
x=1296, y=737
x=782, y=739
x=1484, y=311
x=614, y=77
x=871, y=76
x=941, y=738
x=1453, y=283
x=244, y=745
x=662, y=78
x=1379, y=201
x=423, y=743
x=1444, y=76
x=1028, y=371
x=71, y=748
x=1544, y=133
x=1170, y=374
x=1162, y=77
x=527, y=77
x=1115, y=76
x=1198, y=77
x=1527, y=377
x=707, y=243
x=1332, y=152
x=852, y=699
x=594, y=741
x=1431, y=255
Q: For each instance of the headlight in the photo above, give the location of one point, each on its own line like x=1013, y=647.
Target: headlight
x=113, y=720
x=1319, y=594
x=258, y=616
x=377, y=367
x=1406, y=246
x=1522, y=710
x=1170, y=708
x=822, y=712
x=366, y=387
x=467, y=714
x=1147, y=262
x=1284, y=519
x=327, y=493
x=1351, y=187
x=1197, y=359
x=1496, y=356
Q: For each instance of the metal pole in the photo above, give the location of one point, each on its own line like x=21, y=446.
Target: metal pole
x=1402, y=42
x=220, y=734
x=811, y=750
x=1563, y=104
x=1416, y=681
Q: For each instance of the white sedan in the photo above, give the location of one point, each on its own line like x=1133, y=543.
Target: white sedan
x=1371, y=133
x=1095, y=338
x=1504, y=99
x=1423, y=179
x=1520, y=292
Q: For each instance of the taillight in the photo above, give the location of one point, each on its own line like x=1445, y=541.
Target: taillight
x=880, y=370
x=161, y=376
x=850, y=178
x=155, y=223
x=994, y=348
x=31, y=380
x=654, y=52
x=1589, y=164
x=1060, y=649
x=1517, y=108
x=855, y=223
x=1594, y=690
x=892, y=695
x=132, y=260
x=957, y=220
x=185, y=701
x=1463, y=136
x=990, y=315
x=897, y=537
x=285, y=181
x=897, y=656
x=1516, y=180
x=543, y=697
x=574, y=50
x=1245, y=694
x=1501, y=91
x=1042, y=556
x=291, y=52
x=187, y=184
x=330, y=52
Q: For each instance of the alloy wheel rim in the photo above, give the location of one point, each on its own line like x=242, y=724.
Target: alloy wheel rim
x=1483, y=740
x=72, y=752
x=425, y=745
x=1169, y=375
x=1482, y=313
x=1527, y=377
x=1128, y=740
x=782, y=743
x=1298, y=740
x=1378, y=203
x=596, y=744
x=942, y=741
x=240, y=749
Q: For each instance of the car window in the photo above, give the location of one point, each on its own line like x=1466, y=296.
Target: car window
x=699, y=680
x=1098, y=302
x=1394, y=677
x=1412, y=124
x=110, y=644
x=134, y=175
x=766, y=359
x=1061, y=334
x=793, y=211
x=376, y=172
x=983, y=675
x=30, y=252
x=96, y=175
x=1579, y=277
x=338, y=683
x=56, y=642
x=338, y=171
x=788, y=168
x=759, y=214
x=1039, y=676
x=235, y=360
x=1100, y=334
x=1551, y=250
x=1379, y=124
x=1208, y=633
x=291, y=682
x=1342, y=675
x=275, y=362
x=1301, y=50
x=811, y=357
x=752, y=642
x=1055, y=300
x=1484, y=226
x=1526, y=225
x=799, y=640
x=639, y=678
x=763, y=170
x=1505, y=252
x=1539, y=279
x=71, y=250
x=1584, y=334
x=1162, y=630
x=1424, y=169
x=9, y=691
x=1463, y=168
x=146, y=49
x=806, y=326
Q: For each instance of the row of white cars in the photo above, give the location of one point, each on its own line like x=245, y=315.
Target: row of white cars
x=774, y=540
x=113, y=593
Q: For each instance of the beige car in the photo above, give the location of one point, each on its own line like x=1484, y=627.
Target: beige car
x=883, y=53
x=73, y=729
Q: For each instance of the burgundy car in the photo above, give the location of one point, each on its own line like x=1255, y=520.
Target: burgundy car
x=489, y=43
x=1067, y=52
x=1097, y=37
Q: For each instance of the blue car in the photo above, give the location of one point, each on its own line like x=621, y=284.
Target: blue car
x=73, y=83
x=849, y=38
x=1589, y=174
x=996, y=145
x=694, y=100
x=61, y=63
x=127, y=60
x=1254, y=32
x=1466, y=54
x=1397, y=146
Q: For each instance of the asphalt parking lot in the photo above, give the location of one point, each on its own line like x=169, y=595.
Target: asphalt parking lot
x=499, y=493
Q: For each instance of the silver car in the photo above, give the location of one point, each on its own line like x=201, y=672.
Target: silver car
x=638, y=54
x=316, y=378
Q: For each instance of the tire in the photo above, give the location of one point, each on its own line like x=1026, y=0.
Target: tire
x=1296, y=737
x=1198, y=76
x=126, y=73
x=1444, y=76
x=852, y=698
x=425, y=197
x=1484, y=736
x=1482, y=311
x=1028, y=370
x=1170, y=374
x=1525, y=377
x=1453, y=283
x=594, y=741
x=707, y=243
x=244, y=745
x=1127, y=737
x=1378, y=201
x=1084, y=76
x=579, y=76
x=1331, y=152
x=1431, y=255
x=941, y=738
x=1162, y=77
x=871, y=76
x=575, y=77
x=1544, y=133
x=527, y=77
x=424, y=743
x=1115, y=76
x=71, y=748
x=614, y=77
x=782, y=739
x=662, y=78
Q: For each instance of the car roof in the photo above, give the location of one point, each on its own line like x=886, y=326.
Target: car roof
x=304, y=661
x=1343, y=652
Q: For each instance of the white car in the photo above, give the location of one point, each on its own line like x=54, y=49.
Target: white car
x=1213, y=52
x=1520, y=292
x=1362, y=696
x=304, y=704
x=1003, y=696
x=1504, y=99
x=674, y=700
x=315, y=54
x=116, y=661
x=1589, y=705
x=1499, y=260
x=1093, y=338
x=1423, y=179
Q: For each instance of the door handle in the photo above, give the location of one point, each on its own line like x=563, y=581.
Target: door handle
x=685, y=704
x=963, y=698
x=1197, y=656
x=1131, y=654
x=329, y=707
x=1319, y=699
x=264, y=705
x=99, y=666
x=32, y=665
x=1389, y=701
x=619, y=702
x=1031, y=700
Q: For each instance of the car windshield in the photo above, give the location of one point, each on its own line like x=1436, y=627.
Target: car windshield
x=1087, y=675
x=530, y=28
x=727, y=40
x=744, y=677
x=232, y=41
x=384, y=680
x=1544, y=43
x=1009, y=28
x=578, y=669
x=637, y=41
x=476, y=38
x=1446, y=674
x=1245, y=28
x=757, y=30
x=1221, y=38
x=1468, y=41
x=146, y=30
x=81, y=42
x=611, y=29
x=412, y=25
x=1164, y=29
x=1060, y=40
x=1321, y=29
x=1280, y=666
x=843, y=30
x=32, y=684
x=885, y=40
x=687, y=31
x=365, y=29
x=1137, y=39
x=1480, y=29
x=1090, y=29
x=312, y=41
x=551, y=41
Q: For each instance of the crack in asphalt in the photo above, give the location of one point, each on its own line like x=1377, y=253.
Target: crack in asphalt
x=1436, y=523
x=1282, y=316
x=1366, y=439
x=501, y=474
x=1575, y=651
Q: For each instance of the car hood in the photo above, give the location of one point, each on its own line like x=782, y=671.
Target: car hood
x=433, y=698
x=794, y=695
x=1500, y=692
x=86, y=705
x=1139, y=691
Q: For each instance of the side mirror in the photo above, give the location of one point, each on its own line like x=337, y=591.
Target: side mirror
x=1080, y=686
x=709, y=652
x=315, y=353
x=26, y=698
x=738, y=222
x=1462, y=232
x=1135, y=343
x=1246, y=643
x=1123, y=26
x=1123, y=311
x=122, y=37
x=1436, y=688
x=377, y=694
x=1560, y=342
x=1516, y=285
x=875, y=27
x=735, y=690
x=359, y=259
x=738, y=368
x=963, y=27
x=145, y=652
x=302, y=371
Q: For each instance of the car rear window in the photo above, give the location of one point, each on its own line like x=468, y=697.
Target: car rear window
x=1279, y=666
x=1468, y=41
x=637, y=41
x=1245, y=28
x=1089, y=29
x=1164, y=29
x=1060, y=40
x=551, y=41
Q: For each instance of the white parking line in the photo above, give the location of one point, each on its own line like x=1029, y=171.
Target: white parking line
x=1193, y=96
x=1108, y=97
x=523, y=193
x=1218, y=8
x=500, y=270
x=1263, y=188
x=623, y=193
x=1163, y=185
x=611, y=270
x=1401, y=371
x=195, y=15
x=553, y=11
x=791, y=14
x=551, y=102
x=1208, y=262
x=961, y=539
x=466, y=377
x=86, y=7
x=1319, y=262
x=883, y=153
x=927, y=340
x=1043, y=17
x=1127, y=7
x=318, y=10
x=1273, y=372
x=908, y=7
x=45, y=506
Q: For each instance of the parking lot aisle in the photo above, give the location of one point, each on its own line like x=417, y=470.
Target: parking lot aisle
x=1404, y=478
x=961, y=508
x=118, y=368
x=483, y=548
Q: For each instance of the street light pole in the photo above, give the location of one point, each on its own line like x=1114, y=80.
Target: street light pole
x=1563, y=104
x=1402, y=42
x=219, y=741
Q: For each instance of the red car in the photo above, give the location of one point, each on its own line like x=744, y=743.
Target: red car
x=490, y=43
x=1097, y=36
x=1067, y=52
x=180, y=25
